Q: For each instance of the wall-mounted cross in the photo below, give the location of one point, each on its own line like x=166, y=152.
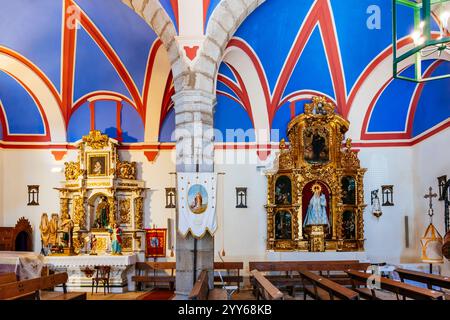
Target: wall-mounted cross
x=430, y=196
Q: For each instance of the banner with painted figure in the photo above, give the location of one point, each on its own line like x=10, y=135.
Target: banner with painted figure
x=197, y=203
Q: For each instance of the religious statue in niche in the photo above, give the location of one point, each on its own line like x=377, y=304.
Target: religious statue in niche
x=348, y=190
x=44, y=227
x=283, y=225
x=53, y=230
x=116, y=239
x=66, y=227
x=316, y=145
x=316, y=213
x=102, y=214
x=93, y=242
x=283, y=191
x=348, y=224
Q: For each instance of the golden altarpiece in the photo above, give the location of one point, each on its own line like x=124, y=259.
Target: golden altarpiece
x=315, y=199
x=101, y=190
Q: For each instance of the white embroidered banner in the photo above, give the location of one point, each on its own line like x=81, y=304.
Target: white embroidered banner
x=197, y=203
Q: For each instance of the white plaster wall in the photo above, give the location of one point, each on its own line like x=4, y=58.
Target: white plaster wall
x=25, y=167
x=244, y=230
x=431, y=160
x=385, y=236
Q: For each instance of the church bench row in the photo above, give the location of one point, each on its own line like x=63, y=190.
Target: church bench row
x=201, y=290
x=429, y=279
x=34, y=289
x=398, y=290
x=7, y=278
x=264, y=289
x=142, y=276
x=321, y=288
x=334, y=270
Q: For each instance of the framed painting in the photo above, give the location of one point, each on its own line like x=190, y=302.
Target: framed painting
x=97, y=164
x=316, y=145
x=155, y=243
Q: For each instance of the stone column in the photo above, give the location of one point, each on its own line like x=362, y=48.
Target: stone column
x=194, y=152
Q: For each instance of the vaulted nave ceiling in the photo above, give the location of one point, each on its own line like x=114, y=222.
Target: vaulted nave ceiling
x=112, y=70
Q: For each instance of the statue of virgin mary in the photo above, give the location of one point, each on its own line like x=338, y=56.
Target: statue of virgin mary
x=317, y=212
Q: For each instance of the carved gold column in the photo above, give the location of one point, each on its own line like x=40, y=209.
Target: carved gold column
x=139, y=213
x=112, y=210
x=79, y=213
x=270, y=224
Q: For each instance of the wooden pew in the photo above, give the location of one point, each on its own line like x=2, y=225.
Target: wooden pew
x=31, y=289
x=334, y=270
x=7, y=278
x=321, y=288
x=150, y=272
x=234, y=267
x=399, y=289
x=201, y=290
x=265, y=290
x=429, y=279
x=21, y=290
x=54, y=280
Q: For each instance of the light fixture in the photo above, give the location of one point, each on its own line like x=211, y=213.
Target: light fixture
x=431, y=240
x=427, y=44
x=375, y=202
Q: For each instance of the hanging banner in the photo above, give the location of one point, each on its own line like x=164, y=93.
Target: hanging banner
x=197, y=203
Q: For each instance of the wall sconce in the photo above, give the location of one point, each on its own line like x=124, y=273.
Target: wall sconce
x=375, y=202
x=431, y=240
x=441, y=182
x=170, y=198
x=241, y=197
x=388, y=195
x=33, y=195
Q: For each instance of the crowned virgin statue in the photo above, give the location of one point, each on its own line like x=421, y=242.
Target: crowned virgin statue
x=317, y=212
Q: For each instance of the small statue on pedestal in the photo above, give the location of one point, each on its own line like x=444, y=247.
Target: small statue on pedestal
x=116, y=237
x=93, y=245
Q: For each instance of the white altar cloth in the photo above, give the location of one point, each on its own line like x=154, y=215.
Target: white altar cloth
x=81, y=270
x=27, y=265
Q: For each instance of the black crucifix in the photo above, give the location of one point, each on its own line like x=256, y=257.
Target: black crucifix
x=170, y=198
x=241, y=197
x=33, y=195
x=430, y=196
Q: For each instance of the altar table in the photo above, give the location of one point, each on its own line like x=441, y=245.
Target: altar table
x=81, y=270
x=27, y=265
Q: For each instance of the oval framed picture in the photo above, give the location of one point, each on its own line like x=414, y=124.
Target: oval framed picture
x=197, y=199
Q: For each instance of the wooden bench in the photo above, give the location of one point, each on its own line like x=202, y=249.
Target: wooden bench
x=230, y=267
x=54, y=280
x=7, y=278
x=144, y=268
x=429, y=279
x=288, y=271
x=32, y=289
x=396, y=289
x=201, y=290
x=321, y=288
x=265, y=290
